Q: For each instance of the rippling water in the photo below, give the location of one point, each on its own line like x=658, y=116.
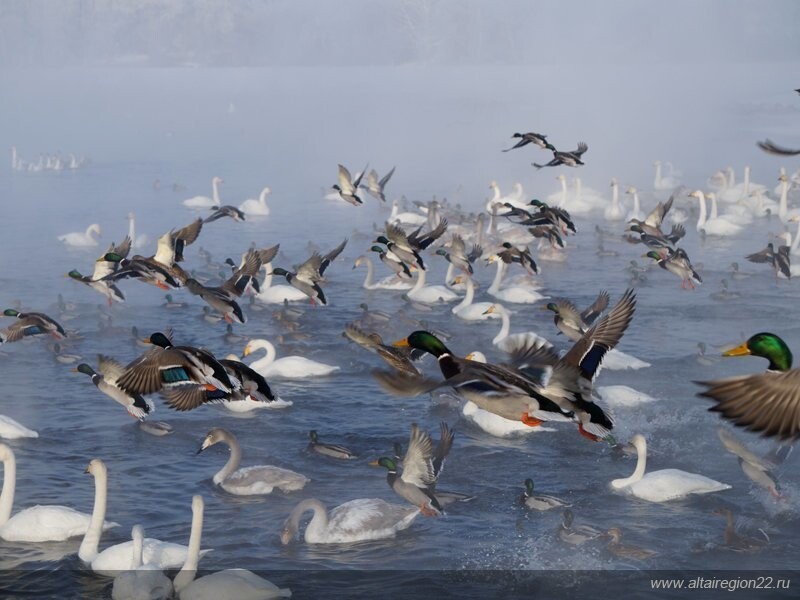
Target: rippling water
x=152, y=480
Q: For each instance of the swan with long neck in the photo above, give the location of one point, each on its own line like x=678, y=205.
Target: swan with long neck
x=737, y=214
x=276, y=294
x=430, y=294
x=663, y=182
x=205, y=201
x=387, y=283
x=253, y=480
x=514, y=294
x=136, y=242
x=82, y=240
x=142, y=581
x=230, y=583
x=663, y=485
x=614, y=212
x=560, y=198
x=289, y=367
x=354, y=521
x=506, y=340
x=636, y=212
x=466, y=309
x=405, y=218
x=119, y=557
x=44, y=523
x=253, y=207
x=719, y=227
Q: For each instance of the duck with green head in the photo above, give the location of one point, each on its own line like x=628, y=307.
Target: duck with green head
x=677, y=262
x=539, y=502
x=106, y=382
x=28, y=324
x=105, y=287
x=391, y=260
x=332, y=450
x=498, y=389
x=766, y=402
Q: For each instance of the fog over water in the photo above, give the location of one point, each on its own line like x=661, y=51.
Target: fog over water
x=159, y=97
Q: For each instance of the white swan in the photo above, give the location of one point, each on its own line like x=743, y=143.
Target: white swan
x=354, y=521
x=495, y=424
x=467, y=310
x=664, y=183
x=508, y=341
x=716, y=227
x=39, y=523
x=405, y=218
x=289, y=367
x=559, y=198
x=515, y=198
x=587, y=197
x=276, y=294
x=255, y=480
x=783, y=206
x=136, y=242
x=615, y=360
x=636, y=211
x=387, y=283
x=112, y=560
x=735, y=192
x=142, y=582
x=431, y=294
x=205, y=201
x=12, y=430
x=514, y=294
x=738, y=214
x=239, y=584
x=622, y=395
x=254, y=207
x=81, y=240
x=614, y=212
x=663, y=485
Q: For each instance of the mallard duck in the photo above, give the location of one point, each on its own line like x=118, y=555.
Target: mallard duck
x=569, y=159
x=572, y=323
x=397, y=358
x=186, y=376
x=539, y=502
x=169, y=302
x=677, y=262
x=391, y=260
x=310, y=274
x=332, y=450
x=765, y=402
x=651, y=225
x=348, y=187
x=781, y=261
x=421, y=469
x=458, y=255
x=106, y=382
x=551, y=215
x=249, y=385
x=30, y=323
x=511, y=253
x=65, y=358
x=252, y=480
x=98, y=280
x=374, y=186
x=576, y=535
x=624, y=551
x=528, y=138
x=736, y=541
x=225, y=211
x=218, y=299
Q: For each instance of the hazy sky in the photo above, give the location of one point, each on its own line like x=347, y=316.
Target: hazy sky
x=365, y=32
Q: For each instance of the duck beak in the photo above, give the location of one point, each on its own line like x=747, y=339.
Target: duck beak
x=401, y=343
x=374, y=463
x=740, y=350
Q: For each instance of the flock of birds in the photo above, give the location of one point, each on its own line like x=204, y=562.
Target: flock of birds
x=535, y=384
x=46, y=162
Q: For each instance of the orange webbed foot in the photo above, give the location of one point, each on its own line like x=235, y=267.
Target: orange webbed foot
x=530, y=421
x=587, y=435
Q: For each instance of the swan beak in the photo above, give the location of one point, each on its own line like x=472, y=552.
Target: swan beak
x=88, y=469
x=401, y=343
x=246, y=351
x=471, y=355
x=740, y=350
x=488, y=311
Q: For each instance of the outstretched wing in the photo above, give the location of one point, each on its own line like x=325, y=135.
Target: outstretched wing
x=418, y=461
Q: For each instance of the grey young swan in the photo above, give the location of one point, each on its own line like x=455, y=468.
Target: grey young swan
x=354, y=521
x=253, y=480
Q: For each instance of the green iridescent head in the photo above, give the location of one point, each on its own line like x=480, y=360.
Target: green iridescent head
x=765, y=345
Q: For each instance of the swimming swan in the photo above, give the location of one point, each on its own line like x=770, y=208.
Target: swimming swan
x=353, y=521
x=276, y=294
x=81, y=240
x=205, y=201
x=663, y=485
x=430, y=294
x=240, y=584
x=44, y=523
x=254, y=207
x=288, y=367
x=253, y=480
x=142, y=581
x=12, y=430
x=119, y=557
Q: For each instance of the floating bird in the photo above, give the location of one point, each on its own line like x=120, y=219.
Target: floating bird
x=539, y=502
x=625, y=551
x=736, y=541
x=332, y=450
x=576, y=535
